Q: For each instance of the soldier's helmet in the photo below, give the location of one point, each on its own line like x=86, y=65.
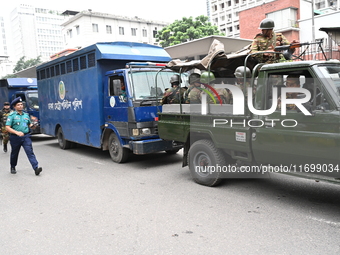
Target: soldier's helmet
x=239, y=72
x=267, y=24
x=194, y=77
x=175, y=79
x=207, y=77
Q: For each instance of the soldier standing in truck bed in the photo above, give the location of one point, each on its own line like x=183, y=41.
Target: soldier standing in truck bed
x=267, y=41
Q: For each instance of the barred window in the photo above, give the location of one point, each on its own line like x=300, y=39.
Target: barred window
x=52, y=71
x=83, y=62
x=62, y=68
x=91, y=60
x=57, y=70
x=69, y=66
x=75, y=64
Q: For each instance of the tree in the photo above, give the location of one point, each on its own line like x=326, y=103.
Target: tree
x=22, y=64
x=186, y=30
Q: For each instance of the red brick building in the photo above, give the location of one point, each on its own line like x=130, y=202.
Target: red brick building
x=286, y=10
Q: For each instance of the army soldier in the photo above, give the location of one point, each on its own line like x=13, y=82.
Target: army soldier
x=18, y=124
x=267, y=41
x=192, y=95
x=174, y=95
x=209, y=78
x=3, y=117
x=292, y=81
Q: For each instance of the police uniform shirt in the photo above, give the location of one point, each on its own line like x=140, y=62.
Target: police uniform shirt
x=19, y=122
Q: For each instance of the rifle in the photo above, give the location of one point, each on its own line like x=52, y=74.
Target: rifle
x=288, y=50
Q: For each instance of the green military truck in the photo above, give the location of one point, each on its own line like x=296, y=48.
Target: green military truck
x=259, y=133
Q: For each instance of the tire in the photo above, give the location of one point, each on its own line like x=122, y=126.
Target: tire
x=203, y=153
x=63, y=144
x=172, y=152
x=118, y=153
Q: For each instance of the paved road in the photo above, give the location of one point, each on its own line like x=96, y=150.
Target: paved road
x=83, y=203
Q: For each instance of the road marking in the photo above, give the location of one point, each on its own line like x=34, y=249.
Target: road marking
x=333, y=223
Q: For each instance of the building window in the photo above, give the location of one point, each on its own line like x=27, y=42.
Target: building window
x=145, y=33
x=133, y=31
x=154, y=33
x=229, y=3
x=285, y=18
x=95, y=28
x=77, y=30
x=70, y=33
x=320, y=4
x=121, y=30
x=108, y=29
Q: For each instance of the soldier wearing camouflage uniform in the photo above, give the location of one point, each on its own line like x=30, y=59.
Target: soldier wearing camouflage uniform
x=6, y=110
x=174, y=95
x=208, y=78
x=193, y=94
x=267, y=41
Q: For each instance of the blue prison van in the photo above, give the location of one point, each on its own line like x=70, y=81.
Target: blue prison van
x=106, y=96
x=27, y=89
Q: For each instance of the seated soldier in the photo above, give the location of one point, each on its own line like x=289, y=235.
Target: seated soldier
x=193, y=94
x=292, y=81
x=174, y=95
x=208, y=78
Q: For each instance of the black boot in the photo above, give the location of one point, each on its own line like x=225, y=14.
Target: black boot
x=5, y=147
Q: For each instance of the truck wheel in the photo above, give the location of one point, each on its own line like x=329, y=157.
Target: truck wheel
x=63, y=144
x=118, y=153
x=202, y=155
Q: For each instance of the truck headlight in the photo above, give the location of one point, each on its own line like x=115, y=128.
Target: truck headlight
x=145, y=131
x=135, y=131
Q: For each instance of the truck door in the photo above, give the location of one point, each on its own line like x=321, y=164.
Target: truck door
x=295, y=139
x=116, y=102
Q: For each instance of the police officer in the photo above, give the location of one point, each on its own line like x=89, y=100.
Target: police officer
x=6, y=110
x=267, y=41
x=18, y=124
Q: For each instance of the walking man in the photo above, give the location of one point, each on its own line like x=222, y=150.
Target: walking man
x=18, y=124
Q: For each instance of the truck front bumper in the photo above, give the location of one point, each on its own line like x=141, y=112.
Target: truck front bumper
x=152, y=145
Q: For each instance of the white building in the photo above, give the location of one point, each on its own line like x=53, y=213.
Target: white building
x=35, y=32
x=88, y=27
x=6, y=66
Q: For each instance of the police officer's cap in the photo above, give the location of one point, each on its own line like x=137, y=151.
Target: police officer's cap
x=15, y=101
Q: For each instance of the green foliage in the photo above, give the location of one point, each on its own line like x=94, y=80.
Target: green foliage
x=185, y=30
x=23, y=64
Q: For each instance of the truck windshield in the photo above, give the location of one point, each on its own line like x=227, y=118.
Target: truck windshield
x=144, y=83
x=332, y=73
x=32, y=100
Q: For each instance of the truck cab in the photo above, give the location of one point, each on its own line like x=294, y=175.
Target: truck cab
x=27, y=89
